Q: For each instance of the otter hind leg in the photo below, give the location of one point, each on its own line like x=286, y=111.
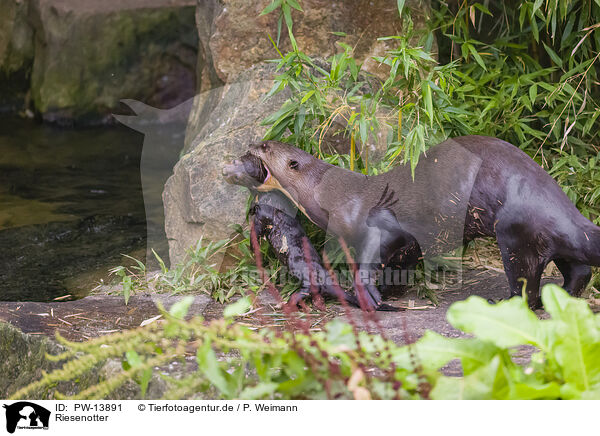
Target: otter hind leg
x=576, y=275
x=376, y=248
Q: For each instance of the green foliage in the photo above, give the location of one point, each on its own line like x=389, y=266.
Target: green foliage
x=581, y=182
x=566, y=365
x=237, y=361
x=198, y=272
x=523, y=71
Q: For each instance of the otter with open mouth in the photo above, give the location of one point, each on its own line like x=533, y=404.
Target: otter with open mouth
x=466, y=187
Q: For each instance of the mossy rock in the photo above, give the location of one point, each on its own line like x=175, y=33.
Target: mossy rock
x=22, y=358
x=16, y=54
x=90, y=55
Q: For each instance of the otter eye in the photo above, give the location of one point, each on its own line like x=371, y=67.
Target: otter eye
x=264, y=146
x=293, y=164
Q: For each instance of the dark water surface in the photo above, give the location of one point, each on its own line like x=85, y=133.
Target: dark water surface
x=70, y=204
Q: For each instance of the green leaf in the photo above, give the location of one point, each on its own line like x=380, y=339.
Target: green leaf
x=435, y=351
x=400, y=4
x=307, y=96
x=134, y=360
x=428, y=101
x=287, y=14
x=506, y=324
x=555, y=58
x=209, y=365
x=477, y=57
x=259, y=391
x=476, y=386
x=535, y=31
x=144, y=380
x=532, y=93
x=295, y=5
x=180, y=309
x=161, y=262
x=577, y=339
x=238, y=308
x=127, y=286
x=271, y=7
x=536, y=6
x=341, y=333
x=533, y=390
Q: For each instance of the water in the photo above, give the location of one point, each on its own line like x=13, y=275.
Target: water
x=71, y=202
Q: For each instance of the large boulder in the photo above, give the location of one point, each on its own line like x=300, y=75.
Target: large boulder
x=197, y=200
x=90, y=54
x=240, y=34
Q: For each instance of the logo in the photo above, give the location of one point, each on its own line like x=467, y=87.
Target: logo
x=26, y=415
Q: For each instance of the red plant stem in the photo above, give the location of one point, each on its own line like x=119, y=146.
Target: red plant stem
x=287, y=309
x=317, y=298
x=369, y=314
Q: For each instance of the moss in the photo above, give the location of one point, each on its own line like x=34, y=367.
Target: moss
x=104, y=58
x=16, y=54
x=22, y=358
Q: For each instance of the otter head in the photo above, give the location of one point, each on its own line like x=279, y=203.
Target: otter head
x=292, y=171
x=288, y=168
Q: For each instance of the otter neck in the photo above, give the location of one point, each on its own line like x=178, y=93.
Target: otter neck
x=273, y=184
x=313, y=199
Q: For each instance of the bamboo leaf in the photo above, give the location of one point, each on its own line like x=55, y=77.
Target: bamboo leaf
x=555, y=58
x=271, y=7
x=400, y=4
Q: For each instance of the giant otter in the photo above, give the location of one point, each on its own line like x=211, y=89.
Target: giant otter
x=466, y=187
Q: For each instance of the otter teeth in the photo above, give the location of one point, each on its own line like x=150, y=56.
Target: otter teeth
x=268, y=175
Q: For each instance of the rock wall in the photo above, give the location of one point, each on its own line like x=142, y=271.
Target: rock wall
x=227, y=112
x=75, y=59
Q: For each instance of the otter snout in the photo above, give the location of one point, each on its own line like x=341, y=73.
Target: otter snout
x=247, y=171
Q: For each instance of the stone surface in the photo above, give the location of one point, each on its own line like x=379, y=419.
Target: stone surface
x=28, y=326
x=27, y=329
x=88, y=317
x=198, y=202
x=240, y=39
x=208, y=83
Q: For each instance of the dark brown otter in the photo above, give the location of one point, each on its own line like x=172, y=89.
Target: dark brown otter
x=464, y=188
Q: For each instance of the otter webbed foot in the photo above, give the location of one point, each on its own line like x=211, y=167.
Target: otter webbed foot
x=369, y=299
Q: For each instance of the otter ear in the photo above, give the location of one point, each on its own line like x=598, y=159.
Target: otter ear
x=293, y=164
